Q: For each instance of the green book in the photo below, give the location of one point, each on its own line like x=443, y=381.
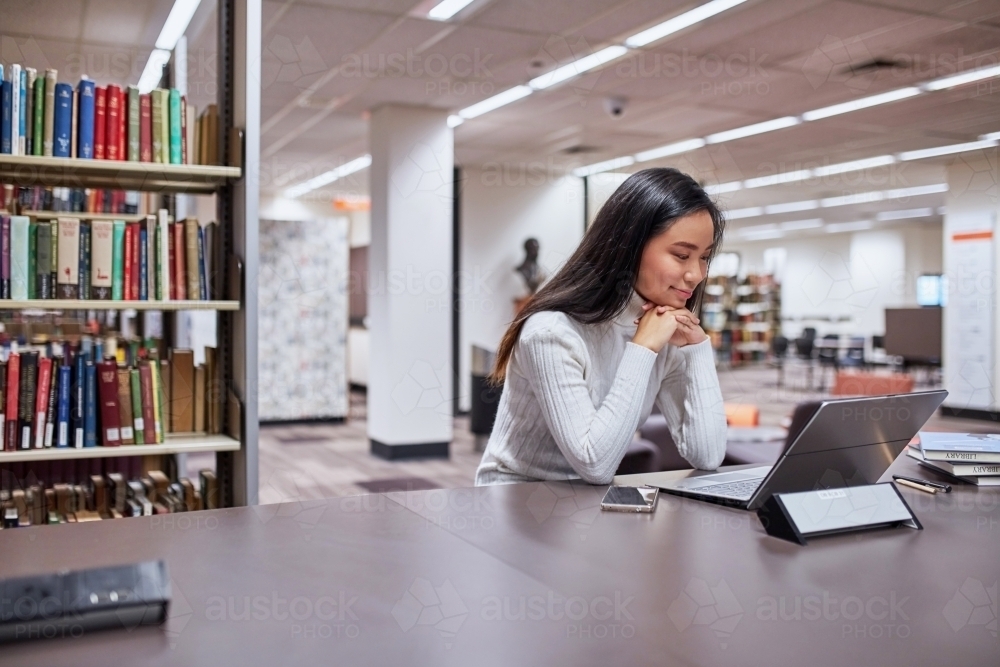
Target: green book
x=32, y=260
x=133, y=375
x=175, y=126
x=31, y=75
x=54, y=258
x=133, y=124
x=19, y=252
x=117, y=260
x=156, y=99
x=39, y=116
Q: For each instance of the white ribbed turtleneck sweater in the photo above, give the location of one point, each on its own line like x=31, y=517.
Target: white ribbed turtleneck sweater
x=576, y=393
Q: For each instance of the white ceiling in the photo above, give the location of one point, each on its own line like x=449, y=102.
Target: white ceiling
x=327, y=63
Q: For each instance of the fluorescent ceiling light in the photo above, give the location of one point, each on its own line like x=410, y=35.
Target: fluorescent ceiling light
x=775, y=179
x=607, y=165
x=737, y=213
x=863, y=103
x=795, y=225
x=750, y=130
x=755, y=229
x=455, y=121
x=328, y=177
x=856, y=165
x=905, y=214
x=941, y=210
x=847, y=200
x=577, y=67
x=446, y=9
x=680, y=22
x=995, y=136
x=963, y=78
x=848, y=226
x=763, y=236
x=670, y=149
x=495, y=102
x=723, y=188
x=153, y=71
x=177, y=22
x=792, y=207
x=916, y=191
x=947, y=150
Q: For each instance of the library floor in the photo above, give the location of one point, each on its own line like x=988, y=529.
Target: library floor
x=319, y=461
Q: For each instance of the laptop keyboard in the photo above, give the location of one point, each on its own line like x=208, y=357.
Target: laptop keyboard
x=742, y=489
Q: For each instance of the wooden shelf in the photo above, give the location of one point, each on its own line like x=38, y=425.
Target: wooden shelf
x=175, y=444
x=53, y=215
x=93, y=304
x=31, y=170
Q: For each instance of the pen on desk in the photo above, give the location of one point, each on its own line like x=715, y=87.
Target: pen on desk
x=944, y=488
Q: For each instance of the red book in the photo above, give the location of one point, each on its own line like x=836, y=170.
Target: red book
x=179, y=274
x=100, y=122
x=172, y=269
x=136, y=250
x=42, y=400
x=107, y=392
x=145, y=129
x=122, y=125
x=114, y=126
x=146, y=391
x=13, y=388
x=129, y=264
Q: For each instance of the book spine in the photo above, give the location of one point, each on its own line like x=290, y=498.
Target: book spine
x=135, y=277
x=15, y=109
x=129, y=264
x=5, y=257
x=26, y=401
x=22, y=120
x=163, y=257
x=89, y=404
x=5, y=117
x=63, y=120
x=180, y=261
x=83, y=273
x=159, y=403
x=54, y=257
x=101, y=258
x=174, y=111
x=137, y=419
x=49, y=128
x=69, y=258
x=31, y=75
x=43, y=271
x=125, y=406
x=32, y=259
x=143, y=266
x=117, y=257
x=38, y=117
x=191, y=267
x=148, y=403
x=202, y=273
x=42, y=400
x=53, y=398
x=158, y=125
x=184, y=130
x=3, y=405
x=151, y=276
x=107, y=379
x=79, y=400
x=133, y=124
x=62, y=425
x=145, y=128
x=85, y=125
x=100, y=121
x=13, y=395
x=190, y=132
x=113, y=123
x=122, y=126
x=19, y=247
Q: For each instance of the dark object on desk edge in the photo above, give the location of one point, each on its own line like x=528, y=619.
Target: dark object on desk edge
x=943, y=488
x=778, y=521
x=69, y=604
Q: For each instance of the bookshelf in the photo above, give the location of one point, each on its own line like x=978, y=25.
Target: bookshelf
x=52, y=215
x=742, y=316
x=236, y=197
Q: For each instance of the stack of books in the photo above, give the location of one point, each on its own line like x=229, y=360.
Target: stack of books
x=39, y=115
x=67, y=258
x=969, y=457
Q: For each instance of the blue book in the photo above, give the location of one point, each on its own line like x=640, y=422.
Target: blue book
x=90, y=405
x=76, y=416
x=5, y=99
x=63, y=120
x=203, y=278
x=960, y=447
x=143, y=266
x=85, y=119
x=22, y=130
x=62, y=408
x=83, y=270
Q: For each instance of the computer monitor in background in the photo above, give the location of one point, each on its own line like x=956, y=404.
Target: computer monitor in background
x=930, y=290
x=914, y=334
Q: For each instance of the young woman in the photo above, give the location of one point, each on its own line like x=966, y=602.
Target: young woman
x=612, y=332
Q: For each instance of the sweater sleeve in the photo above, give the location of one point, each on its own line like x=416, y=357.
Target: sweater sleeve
x=691, y=401
x=593, y=440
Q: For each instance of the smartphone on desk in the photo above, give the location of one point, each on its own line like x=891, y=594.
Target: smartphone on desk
x=630, y=499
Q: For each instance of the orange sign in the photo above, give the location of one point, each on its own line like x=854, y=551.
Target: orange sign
x=352, y=204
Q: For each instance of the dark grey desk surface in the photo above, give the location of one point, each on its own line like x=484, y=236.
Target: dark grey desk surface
x=530, y=575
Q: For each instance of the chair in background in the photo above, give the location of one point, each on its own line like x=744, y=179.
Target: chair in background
x=828, y=356
x=779, y=348
x=854, y=355
x=804, y=347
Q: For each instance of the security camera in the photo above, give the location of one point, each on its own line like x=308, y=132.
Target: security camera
x=615, y=106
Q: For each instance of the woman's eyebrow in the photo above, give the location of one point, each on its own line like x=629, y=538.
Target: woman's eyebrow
x=691, y=246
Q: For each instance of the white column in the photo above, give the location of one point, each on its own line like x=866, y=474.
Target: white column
x=971, y=336
x=410, y=392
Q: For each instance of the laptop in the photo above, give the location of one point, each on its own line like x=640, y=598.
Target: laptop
x=830, y=444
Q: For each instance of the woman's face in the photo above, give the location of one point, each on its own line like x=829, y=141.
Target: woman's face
x=676, y=260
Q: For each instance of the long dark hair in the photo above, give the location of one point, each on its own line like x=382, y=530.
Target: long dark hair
x=596, y=282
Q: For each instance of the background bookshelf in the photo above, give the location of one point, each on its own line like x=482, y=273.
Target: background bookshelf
x=742, y=316
x=234, y=255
